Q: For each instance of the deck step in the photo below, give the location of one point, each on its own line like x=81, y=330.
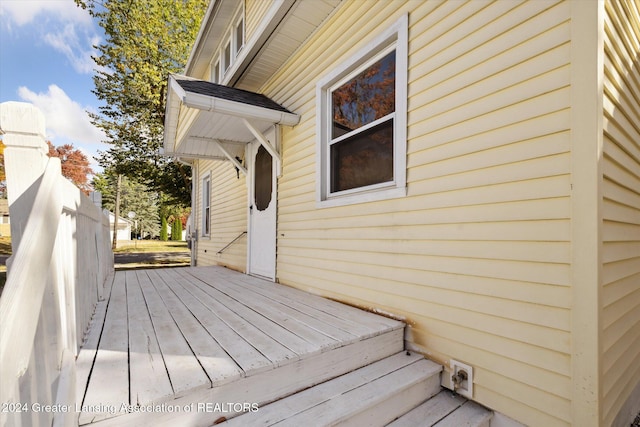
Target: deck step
x=446, y=410
x=372, y=395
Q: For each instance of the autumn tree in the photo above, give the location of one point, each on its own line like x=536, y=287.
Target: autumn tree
x=145, y=41
x=74, y=164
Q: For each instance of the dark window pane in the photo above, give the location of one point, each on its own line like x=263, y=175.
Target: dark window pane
x=365, y=98
x=227, y=56
x=364, y=159
x=263, y=179
x=239, y=35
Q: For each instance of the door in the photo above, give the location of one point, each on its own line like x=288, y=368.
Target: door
x=262, y=210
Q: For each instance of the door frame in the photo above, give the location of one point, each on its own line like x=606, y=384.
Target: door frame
x=273, y=137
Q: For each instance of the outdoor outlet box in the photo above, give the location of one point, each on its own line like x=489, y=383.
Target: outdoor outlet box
x=462, y=378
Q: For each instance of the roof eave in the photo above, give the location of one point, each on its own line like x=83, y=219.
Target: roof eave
x=238, y=109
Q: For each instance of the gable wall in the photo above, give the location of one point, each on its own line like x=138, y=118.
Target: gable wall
x=476, y=258
x=620, y=292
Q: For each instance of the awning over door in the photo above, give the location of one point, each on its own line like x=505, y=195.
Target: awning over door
x=210, y=121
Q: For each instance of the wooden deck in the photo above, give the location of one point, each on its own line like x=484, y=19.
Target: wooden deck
x=190, y=344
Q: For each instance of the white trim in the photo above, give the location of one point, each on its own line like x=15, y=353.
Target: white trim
x=215, y=71
x=205, y=178
x=232, y=108
x=273, y=150
x=236, y=163
x=394, y=37
x=230, y=39
x=240, y=17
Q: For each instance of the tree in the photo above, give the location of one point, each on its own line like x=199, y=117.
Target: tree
x=176, y=229
x=145, y=41
x=163, y=229
x=74, y=164
x=134, y=197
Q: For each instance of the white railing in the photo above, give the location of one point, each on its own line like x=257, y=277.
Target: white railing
x=61, y=260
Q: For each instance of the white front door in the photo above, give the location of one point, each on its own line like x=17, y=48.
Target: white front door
x=262, y=210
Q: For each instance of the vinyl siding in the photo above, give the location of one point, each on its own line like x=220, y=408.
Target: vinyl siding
x=255, y=10
x=621, y=208
x=477, y=257
x=228, y=215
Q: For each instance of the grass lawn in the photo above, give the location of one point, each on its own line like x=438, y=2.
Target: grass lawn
x=151, y=246
x=123, y=247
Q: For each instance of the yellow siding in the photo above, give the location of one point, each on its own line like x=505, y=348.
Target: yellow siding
x=621, y=208
x=228, y=216
x=255, y=10
x=477, y=256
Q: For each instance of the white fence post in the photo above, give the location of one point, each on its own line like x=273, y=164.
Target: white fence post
x=25, y=153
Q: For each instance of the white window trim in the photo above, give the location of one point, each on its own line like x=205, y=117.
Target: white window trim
x=396, y=34
x=236, y=23
x=205, y=178
x=223, y=60
x=215, y=76
x=231, y=40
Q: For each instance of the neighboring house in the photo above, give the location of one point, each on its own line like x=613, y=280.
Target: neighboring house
x=5, y=224
x=124, y=226
x=470, y=167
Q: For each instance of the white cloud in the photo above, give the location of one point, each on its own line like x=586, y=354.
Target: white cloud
x=21, y=12
x=65, y=118
x=77, y=51
x=59, y=23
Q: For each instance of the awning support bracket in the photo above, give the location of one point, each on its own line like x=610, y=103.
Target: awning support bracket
x=231, y=158
x=265, y=143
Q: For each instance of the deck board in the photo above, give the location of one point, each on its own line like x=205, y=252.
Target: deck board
x=355, y=320
x=187, y=335
x=149, y=380
x=185, y=371
x=111, y=364
x=220, y=322
x=215, y=361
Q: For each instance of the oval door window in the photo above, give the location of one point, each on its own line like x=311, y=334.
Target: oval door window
x=263, y=179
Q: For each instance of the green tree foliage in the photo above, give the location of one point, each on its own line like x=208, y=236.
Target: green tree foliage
x=145, y=41
x=176, y=229
x=179, y=229
x=163, y=230
x=134, y=197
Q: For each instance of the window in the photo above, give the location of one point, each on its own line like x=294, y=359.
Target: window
x=229, y=50
x=215, y=76
x=361, y=147
x=227, y=56
x=238, y=36
x=206, y=206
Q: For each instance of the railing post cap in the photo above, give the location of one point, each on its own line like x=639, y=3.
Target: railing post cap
x=22, y=118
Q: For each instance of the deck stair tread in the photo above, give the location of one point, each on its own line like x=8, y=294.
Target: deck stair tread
x=446, y=409
x=372, y=395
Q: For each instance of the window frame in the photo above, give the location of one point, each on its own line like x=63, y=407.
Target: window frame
x=206, y=219
x=230, y=39
x=237, y=22
x=215, y=71
x=393, y=38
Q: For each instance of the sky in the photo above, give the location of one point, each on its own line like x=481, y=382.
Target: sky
x=45, y=60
